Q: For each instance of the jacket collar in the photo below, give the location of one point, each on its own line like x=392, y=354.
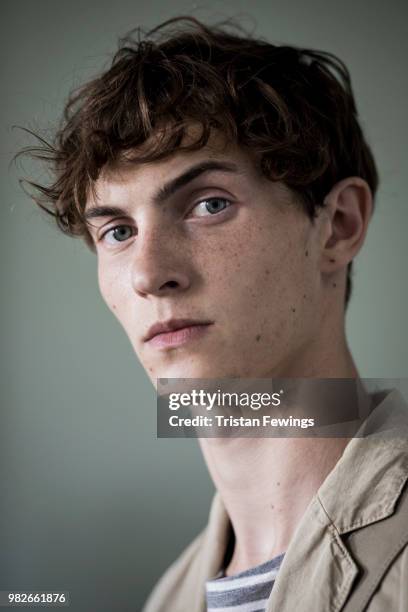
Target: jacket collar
x=367, y=481
x=215, y=542
x=363, y=487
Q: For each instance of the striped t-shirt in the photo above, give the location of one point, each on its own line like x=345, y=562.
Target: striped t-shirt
x=247, y=591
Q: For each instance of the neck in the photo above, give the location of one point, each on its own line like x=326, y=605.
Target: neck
x=266, y=484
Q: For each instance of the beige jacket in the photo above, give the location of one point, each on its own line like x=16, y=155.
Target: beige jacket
x=353, y=535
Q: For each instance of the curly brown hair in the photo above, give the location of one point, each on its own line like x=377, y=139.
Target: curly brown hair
x=293, y=107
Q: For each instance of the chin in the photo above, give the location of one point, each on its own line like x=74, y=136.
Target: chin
x=187, y=369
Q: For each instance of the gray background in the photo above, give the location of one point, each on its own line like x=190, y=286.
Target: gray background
x=91, y=501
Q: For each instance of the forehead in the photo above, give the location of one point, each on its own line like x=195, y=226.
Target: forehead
x=126, y=171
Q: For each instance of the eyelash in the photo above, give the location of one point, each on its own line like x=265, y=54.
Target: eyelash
x=209, y=199
x=115, y=227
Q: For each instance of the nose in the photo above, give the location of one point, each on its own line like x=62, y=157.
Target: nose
x=160, y=267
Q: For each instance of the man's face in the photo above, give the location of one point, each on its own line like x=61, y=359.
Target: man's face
x=222, y=248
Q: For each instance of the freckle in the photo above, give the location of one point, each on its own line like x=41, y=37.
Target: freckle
x=258, y=337
x=293, y=309
x=306, y=253
x=267, y=272
x=334, y=285
x=332, y=260
x=272, y=506
x=278, y=483
x=304, y=295
x=114, y=306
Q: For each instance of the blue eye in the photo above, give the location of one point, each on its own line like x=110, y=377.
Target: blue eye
x=120, y=233
x=211, y=206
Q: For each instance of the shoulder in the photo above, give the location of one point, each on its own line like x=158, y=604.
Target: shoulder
x=392, y=593
x=182, y=587
x=177, y=580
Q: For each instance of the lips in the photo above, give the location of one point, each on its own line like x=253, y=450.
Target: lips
x=173, y=325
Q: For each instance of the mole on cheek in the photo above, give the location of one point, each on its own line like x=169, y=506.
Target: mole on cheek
x=293, y=309
x=334, y=285
x=306, y=253
x=258, y=337
x=114, y=306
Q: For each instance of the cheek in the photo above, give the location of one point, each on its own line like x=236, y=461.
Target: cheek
x=105, y=287
x=263, y=279
x=112, y=291
x=256, y=267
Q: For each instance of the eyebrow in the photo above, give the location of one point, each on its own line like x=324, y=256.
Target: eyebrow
x=168, y=189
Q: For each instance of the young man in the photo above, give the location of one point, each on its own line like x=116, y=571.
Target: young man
x=226, y=186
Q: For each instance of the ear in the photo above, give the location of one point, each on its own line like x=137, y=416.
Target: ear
x=348, y=209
